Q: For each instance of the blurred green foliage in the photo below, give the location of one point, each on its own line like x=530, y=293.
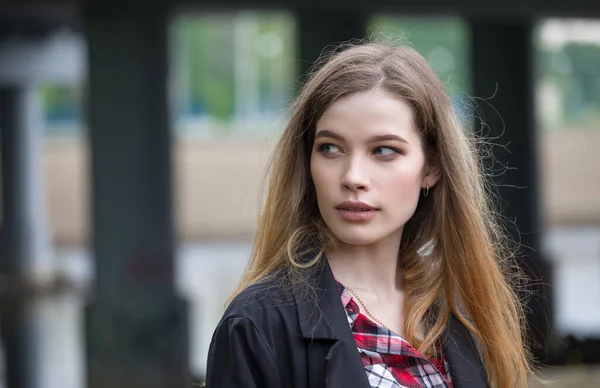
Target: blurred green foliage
x=61, y=102
x=444, y=42
x=210, y=47
x=206, y=50
x=233, y=66
x=575, y=69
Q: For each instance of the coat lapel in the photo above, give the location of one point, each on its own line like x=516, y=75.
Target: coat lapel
x=466, y=368
x=333, y=359
x=344, y=367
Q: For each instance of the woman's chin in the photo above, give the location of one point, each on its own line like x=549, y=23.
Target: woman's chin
x=356, y=238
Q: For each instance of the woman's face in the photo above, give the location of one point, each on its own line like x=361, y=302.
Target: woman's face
x=368, y=167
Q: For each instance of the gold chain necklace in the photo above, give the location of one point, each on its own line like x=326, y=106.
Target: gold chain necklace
x=367, y=309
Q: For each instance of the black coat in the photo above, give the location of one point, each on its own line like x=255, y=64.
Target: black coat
x=270, y=338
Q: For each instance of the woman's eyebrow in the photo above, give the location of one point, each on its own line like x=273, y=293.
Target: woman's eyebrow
x=328, y=133
x=374, y=139
x=389, y=136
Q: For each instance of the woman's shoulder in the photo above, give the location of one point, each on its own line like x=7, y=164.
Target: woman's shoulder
x=262, y=301
x=261, y=329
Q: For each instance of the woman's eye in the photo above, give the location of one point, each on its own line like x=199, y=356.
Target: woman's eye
x=328, y=148
x=386, y=151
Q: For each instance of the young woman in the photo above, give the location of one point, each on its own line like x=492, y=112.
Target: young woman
x=377, y=261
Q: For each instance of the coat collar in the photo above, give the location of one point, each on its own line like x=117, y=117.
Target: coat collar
x=466, y=367
x=324, y=326
x=323, y=318
x=321, y=314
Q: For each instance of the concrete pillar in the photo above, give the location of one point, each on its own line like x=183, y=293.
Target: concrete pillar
x=318, y=29
x=136, y=324
x=502, y=65
x=28, y=287
x=26, y=259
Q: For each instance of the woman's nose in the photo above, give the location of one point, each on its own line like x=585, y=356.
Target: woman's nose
x=355, y=177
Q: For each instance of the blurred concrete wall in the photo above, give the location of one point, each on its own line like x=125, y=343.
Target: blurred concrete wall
x=218, y=185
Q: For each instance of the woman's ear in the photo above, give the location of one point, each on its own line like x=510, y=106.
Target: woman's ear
x=432, y=175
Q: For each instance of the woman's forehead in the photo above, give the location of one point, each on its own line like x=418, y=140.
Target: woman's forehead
x=367, y=114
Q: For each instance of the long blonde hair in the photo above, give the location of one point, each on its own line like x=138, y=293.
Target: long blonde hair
x=453, y=253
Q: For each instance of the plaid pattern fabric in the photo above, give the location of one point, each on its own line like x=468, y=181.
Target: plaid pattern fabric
x=390, y=361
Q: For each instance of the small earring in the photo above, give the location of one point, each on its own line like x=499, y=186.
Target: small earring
x=426, y=190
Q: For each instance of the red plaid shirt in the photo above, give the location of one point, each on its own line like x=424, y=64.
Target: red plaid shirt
x=389, y=360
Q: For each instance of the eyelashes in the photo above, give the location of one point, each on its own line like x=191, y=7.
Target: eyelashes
x=326, y=148
x=391, y=151
x=383, y=152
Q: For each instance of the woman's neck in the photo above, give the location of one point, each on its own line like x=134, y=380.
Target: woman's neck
x=372, y=268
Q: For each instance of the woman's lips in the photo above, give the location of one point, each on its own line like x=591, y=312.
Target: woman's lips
x=357, y=214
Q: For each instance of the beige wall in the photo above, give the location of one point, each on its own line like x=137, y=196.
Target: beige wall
x=570, y=177
x=217, y=185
